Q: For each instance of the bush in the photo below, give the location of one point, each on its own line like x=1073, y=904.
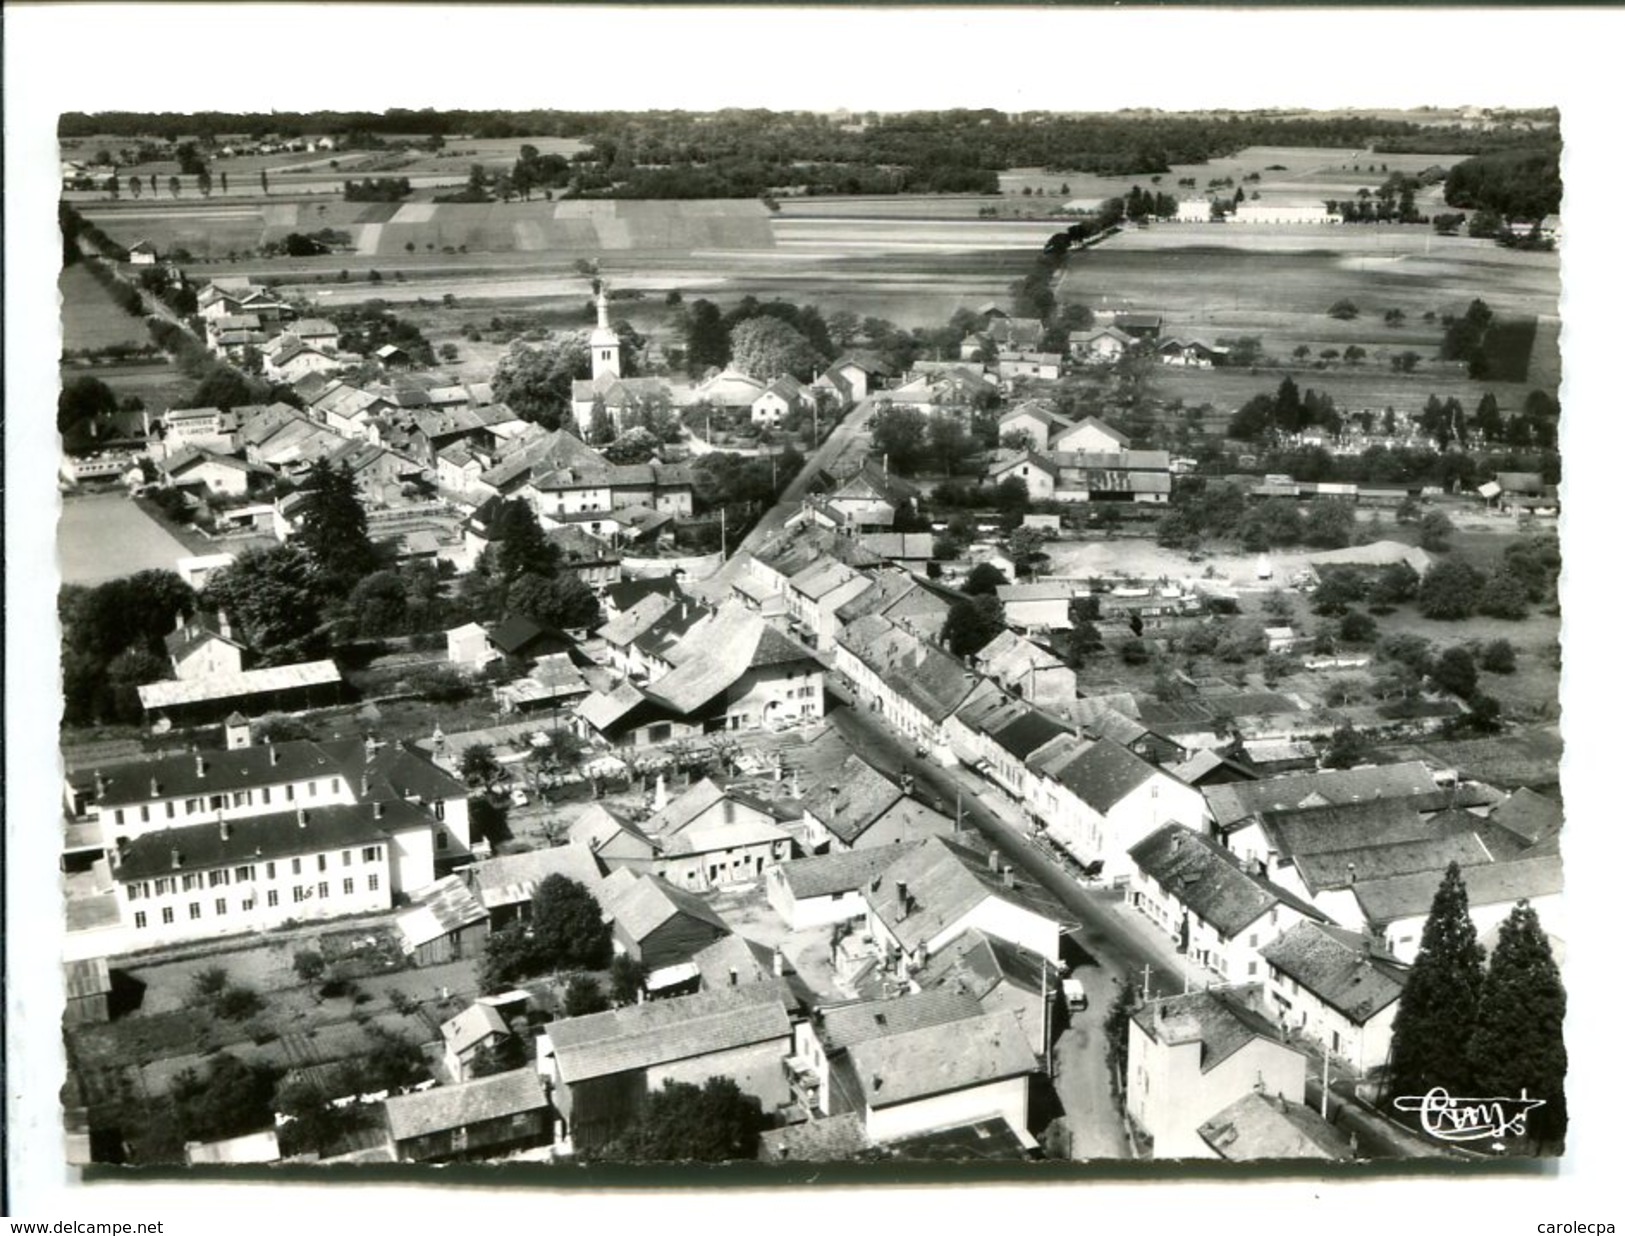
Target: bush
x=1449, y=591
x=1498, y=657
x=1455, y=672
x=309, y=964
x=1357, y=628
x=1344, y=310
x=1135, y=652
x=238, y=1003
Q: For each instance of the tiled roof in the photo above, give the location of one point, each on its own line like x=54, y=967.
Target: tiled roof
x=825, y=875
x=641, y=1036
x=1529, y=815
x=444, y=1108
x=975, y=963
x=829, y=1139
x=717, y=653
x=471, y=1027
x=511, y=878
x=640, y=908
x=441, y=908
x=843, y=1026
x=1238, y=800
x=630, y=623
x=201, y=847
x=1339, y=968
x=946, y=880
x=211, y=772
x=1218, y=1020
x=733, y=960
x=1345, y=868
x=851, y=799
x=1352, y=827
x=1210, y=881
x=1103, y=774
x=941, y=1059
x=1257, y=1128
x=1490, y=884
x=629, y=592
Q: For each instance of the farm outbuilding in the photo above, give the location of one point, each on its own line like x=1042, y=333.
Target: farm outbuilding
x=446, y=923
x=89, y=986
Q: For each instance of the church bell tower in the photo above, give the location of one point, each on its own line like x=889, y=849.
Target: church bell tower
x=604, y=342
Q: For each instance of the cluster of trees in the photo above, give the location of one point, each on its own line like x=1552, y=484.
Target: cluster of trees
x=564, y=929
x=1453, y=590
x=379, y=189
x=368, y=327
x=682, y=1122
x=1517, y=184
x=113, y=642
x=943, y=442
x=534, y=378
x=521, y=574
x=1224, y=511
x=1495, y=1030
x=1284, y=413
x=724, y=479
x=308, y=244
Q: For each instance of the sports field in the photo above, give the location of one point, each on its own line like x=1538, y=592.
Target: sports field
x=104, y=536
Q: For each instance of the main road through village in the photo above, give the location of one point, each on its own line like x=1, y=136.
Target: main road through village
x=1118, y=953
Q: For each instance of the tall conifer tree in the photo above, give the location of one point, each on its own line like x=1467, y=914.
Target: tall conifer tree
x=1439, y=1009
x=1517, y=1045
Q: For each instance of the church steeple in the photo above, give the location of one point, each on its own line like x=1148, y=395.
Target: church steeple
x=604, y=342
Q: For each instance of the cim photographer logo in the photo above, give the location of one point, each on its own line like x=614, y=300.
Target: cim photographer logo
x=1452, y=1119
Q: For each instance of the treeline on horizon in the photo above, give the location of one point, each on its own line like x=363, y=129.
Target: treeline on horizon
x=937, y=151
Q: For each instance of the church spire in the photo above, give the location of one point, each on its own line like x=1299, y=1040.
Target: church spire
x=603, y=305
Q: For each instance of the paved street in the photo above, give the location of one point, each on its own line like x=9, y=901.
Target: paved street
x=719, y=584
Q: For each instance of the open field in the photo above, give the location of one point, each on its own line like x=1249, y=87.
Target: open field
x=1311, y=174
x=104, y=536
x=158, y=386
x=90, y=319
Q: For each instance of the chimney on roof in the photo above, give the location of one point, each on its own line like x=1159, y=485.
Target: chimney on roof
x=1009, y=877
x=378, y=811
x=1352, y=876
x=225, y=829
x=153, y=787
x=1174, y=848
x=778, y=964
x=366, y=784
x=304, y=818
x=200, y=765
x=733, y=976
x=224, y=623
x=175, y=860
x=101, y=783
x=993, y=861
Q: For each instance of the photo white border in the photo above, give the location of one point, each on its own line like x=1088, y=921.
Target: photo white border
x=297, y=57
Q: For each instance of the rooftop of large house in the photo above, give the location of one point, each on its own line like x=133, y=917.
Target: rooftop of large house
x=975, y=963
x=1101, y=773
x=445, y=906
x=842, y=1026
x=1530, y=815
x=944, y=881
x=939, y=1059
x=1342, y=969
x=640, y=1036
x=717, y=652
x=1211, y=882
x=443, y=1108
x=1218, y=1020
x=1372, y=823
x=1236, y=801
x=1490, y=884
x=919, y=672
x=851, y=798
x=826, y=875
x=199, y=847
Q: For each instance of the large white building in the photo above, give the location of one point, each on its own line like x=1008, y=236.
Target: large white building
x=208, y=843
